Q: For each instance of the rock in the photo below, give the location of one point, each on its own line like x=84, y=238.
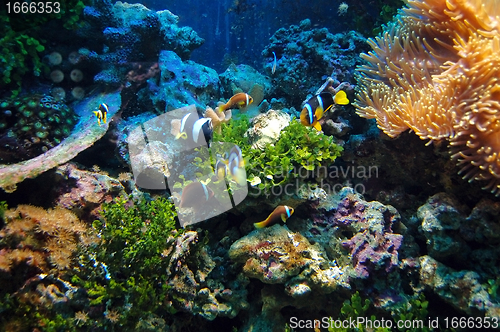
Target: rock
x=266, y=128
x=275, y=255
x=461, y=289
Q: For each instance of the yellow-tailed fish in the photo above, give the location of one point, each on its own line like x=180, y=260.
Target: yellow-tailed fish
x=239, y=100
x=281, y=212
x=317, y=106
x=220, y=169
x=195, y=128
x=101, y=113
x=234, y=166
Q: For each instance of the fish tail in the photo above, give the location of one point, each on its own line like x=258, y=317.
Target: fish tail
x=182, y=135
x=261, y=224
x=341, y=98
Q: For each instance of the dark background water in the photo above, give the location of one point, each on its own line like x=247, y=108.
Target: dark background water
x=238, y=30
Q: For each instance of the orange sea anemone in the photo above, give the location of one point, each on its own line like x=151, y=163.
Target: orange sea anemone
x=436, y=71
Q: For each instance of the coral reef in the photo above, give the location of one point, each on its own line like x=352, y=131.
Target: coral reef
x=462, y=289
x=183, y=83
x=367, y=231
x=458, y=239
x=39, y=239
x=22, y=41
x=242, y=78
x=83, y=192
x=31, y=125
x=84, y=135
x=434, y=71
x=125, y=33
x=299, y=149
x=144, y=265
x=266, y=128
x=306, y=55
x=274, y=255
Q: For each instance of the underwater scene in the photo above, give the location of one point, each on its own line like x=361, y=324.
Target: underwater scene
x=250, y=165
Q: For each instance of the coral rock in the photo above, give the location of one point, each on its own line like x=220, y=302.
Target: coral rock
x=267, y=127
x=275, y=255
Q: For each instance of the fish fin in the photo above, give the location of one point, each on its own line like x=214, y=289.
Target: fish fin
x=328, y=108
x=318, y=113
x=261, y=224
x=341, y=98
x=283, y=217
x=239, y=176
x=182, y=135
x=317, y=126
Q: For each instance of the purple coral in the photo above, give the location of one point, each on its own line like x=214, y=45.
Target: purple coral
x=373, y=251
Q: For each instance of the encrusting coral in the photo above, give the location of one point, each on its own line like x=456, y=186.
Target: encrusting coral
x=435, y=71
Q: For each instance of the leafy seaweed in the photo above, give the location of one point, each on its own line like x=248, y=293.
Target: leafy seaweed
x=298, y=147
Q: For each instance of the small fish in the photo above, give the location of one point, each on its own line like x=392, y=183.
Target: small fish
x=234, y=166
x=220, y=169
x=239, y=100
x=101, y=113
x=195, y=129
x=275, y=63
x=319, y=105
x=282, y=212
x=195, y=194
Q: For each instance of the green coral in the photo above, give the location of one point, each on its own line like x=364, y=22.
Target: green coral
x=126, y=273
x=297, y=147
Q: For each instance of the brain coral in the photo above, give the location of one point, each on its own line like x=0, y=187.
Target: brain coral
x=436, y=70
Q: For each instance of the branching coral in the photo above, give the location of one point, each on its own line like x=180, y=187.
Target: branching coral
x=435, y=71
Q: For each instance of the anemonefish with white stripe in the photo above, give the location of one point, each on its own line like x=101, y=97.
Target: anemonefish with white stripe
x=101, y=113
x=234, y=166
x=195, y=129
x=318, y=105
x=281, y=212
x=239, y=100
x=195, y=194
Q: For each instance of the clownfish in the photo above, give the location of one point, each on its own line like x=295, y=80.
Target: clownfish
x=282, y=212
x=195, y=129
x=239, y=100
x=101, y=113
x=234, y=166
x=195, y=194
x=318, y=105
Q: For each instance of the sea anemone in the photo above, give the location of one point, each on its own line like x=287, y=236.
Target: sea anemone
x=435, y=71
